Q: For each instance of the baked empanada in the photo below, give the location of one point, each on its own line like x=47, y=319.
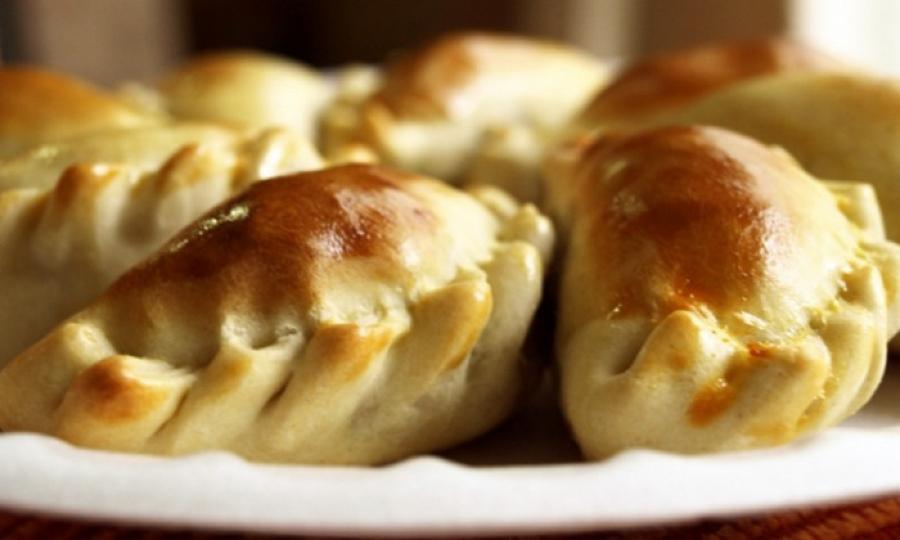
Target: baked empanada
x=714, y=295
x=355, y=314
x=38, y=106
x=436, y=107
x=656, y=86
x=63, y=242
x=246, y=89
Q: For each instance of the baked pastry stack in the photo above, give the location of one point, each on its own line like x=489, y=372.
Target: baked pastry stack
x=711, y=294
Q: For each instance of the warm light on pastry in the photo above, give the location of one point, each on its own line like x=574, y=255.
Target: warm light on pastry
x=356, y=314
x=838, y=125
x=653, y=87
x=434, y=109
x=714, y=295
x=246, y=89
x=37, y=106
x=75, y=215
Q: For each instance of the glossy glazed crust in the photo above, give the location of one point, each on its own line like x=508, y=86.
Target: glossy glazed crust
x=246, y=89
x=435, y=107
x=838, y=125
x=714, y=296
x=37, y=106
x=350, y=315
x=63, y=243
x=664, y=82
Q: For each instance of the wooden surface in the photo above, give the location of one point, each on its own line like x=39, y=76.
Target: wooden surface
x=873, y=520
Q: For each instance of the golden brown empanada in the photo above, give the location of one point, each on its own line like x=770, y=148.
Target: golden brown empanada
x=351, y=315
x=656, y=86
x=714, y=295
x=246, y=89
x=38, y=106
x=434, y=109
x=63, y=241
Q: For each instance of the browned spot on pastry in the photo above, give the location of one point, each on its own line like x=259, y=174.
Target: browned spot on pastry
x=281, y=236
x=682, y=216
x=758, y=350
x=78, y=179
x=711, y=401
x=469, y=328
x=714, y=399
x=422, y=84
x=673, y=79
x=347, y=350
x=107, y=392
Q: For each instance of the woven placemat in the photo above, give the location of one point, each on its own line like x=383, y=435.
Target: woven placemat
x=875, y=520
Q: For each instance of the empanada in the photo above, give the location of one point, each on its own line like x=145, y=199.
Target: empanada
x=355, y=314
x=246, y=89
x=714, y=295
x=436, y=107
x=63, y=242
x=656, y=86
x=38, y=106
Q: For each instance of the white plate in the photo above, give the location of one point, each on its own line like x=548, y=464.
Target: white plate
x=545, y=490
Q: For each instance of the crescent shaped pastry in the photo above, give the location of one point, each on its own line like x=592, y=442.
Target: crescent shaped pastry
x=435, y=108
x=714, y=295
x=660, y=84
x=355, y=314
x=37, y=106
x=62, y=242
x=247, y=89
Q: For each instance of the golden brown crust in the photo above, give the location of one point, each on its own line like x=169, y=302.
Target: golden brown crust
x=37, y=105
x=109, y=393
x=712, y=237
x=298, y=225
x=246, y=89
x=713, y=294
x=672, y=79
x=425, y=83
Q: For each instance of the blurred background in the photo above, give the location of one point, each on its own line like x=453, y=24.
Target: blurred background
x=113, y=40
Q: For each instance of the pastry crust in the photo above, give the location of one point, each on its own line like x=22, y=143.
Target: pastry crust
x=666, y=82
x=37, y=106
x=837, y=125
x=63, y=241
x=715, y=296
x=436, y=107
x=247, y=89
x=351, y=315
